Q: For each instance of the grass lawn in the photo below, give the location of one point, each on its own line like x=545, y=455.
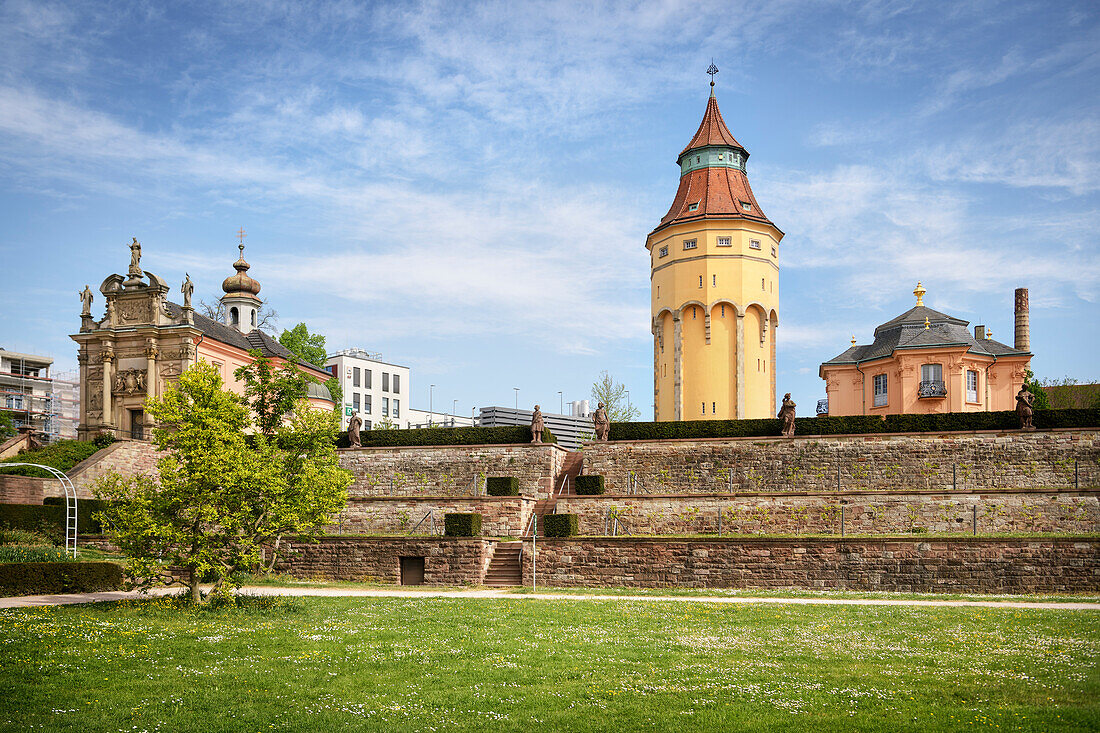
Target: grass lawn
x=461, y=664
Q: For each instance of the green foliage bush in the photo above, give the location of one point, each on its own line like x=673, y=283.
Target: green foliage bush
x=502, y=486
x=589, y=485
x=854, y=424
x=33, y=518
x=104, y=439
x=33, y=553
x=559, y=525
x=86, y=509
x=447, y=436
x=34, y=578
x=457, y=524
x=62, y=455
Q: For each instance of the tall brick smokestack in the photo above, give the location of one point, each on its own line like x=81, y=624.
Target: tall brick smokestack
x=1023, y=329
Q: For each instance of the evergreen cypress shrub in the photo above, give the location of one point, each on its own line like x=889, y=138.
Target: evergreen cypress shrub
x=502, y=486
x=559, y=525
x=34, y=578
x=461, y=524
x=589, y=485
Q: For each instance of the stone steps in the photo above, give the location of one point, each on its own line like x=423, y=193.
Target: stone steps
x=504, y=568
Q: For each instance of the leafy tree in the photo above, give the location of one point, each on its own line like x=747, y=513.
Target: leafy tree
x=309, y=347
x=1077, y=396
x=270, y=392
x=219, y=500
x=332, y=384
x=384, y=424
x=613, y=396
x=7, y=426
x=1042, y=401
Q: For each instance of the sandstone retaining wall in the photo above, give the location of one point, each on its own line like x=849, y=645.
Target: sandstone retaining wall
x=447, y=561
x=903, y=565
x=1038, y=510
x=501, y=516
x=450, y=470
x=24, y=489
x=972, y=461
x=127, y=457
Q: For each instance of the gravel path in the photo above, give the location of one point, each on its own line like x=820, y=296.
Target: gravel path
x=56, y=600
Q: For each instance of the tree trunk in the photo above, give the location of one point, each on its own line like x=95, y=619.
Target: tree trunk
x=274, y=554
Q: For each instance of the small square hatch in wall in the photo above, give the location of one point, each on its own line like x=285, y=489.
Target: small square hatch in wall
x=412, y=571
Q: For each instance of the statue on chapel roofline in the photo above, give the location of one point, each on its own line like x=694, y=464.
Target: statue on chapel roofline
x=786, y=416
x=601, y=422
x=537, y=425
x=86, y=301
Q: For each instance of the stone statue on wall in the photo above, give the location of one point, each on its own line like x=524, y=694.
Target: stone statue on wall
x=1024, y=400
x=537, y=425
x=601, y=422
x=355, y=424
x=86, y=301
x=135, y=258
x=786, y=416
x=187, y=289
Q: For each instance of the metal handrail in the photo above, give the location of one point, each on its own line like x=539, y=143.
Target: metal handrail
x=431, y=513
x=932, y=388
x=70, y=502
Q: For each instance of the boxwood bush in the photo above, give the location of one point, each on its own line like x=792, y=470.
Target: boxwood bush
x=461, y=524
x=589, y=485
x=559, y=525
x=62, y=455
x=502, y=486
x=447, y=436
x=33, y=518
x=34, y=578
x=854, y=424
x=86, y=523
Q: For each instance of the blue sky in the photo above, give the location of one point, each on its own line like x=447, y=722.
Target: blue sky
x=468, y=188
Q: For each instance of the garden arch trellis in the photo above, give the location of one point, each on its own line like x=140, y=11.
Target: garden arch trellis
x=70, y=502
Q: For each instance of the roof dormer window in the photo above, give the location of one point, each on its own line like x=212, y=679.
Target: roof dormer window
x=746, y=206
x=693, y=207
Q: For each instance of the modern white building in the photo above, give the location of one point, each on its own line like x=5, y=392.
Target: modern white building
x=376, y=389
x=26, y=391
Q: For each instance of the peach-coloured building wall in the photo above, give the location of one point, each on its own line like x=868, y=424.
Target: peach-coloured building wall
x=229, y=358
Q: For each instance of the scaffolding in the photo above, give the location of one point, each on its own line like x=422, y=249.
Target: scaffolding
x=27, y=392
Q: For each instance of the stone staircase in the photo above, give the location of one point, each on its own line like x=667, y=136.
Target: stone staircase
x=504, y=568
x=571, y=468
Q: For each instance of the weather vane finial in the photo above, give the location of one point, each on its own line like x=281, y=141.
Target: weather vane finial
x=712, y=70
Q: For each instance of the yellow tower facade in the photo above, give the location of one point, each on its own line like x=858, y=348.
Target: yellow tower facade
x=714, y=274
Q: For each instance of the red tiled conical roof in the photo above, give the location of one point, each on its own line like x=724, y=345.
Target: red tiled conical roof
x=712, y=130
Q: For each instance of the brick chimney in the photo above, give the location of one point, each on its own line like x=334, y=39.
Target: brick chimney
x=1023, y=330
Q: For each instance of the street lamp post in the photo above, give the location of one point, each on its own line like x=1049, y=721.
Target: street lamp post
x=517, y=396
x=561, y=403
x=431, y=404
x=454, y=411
x=628, y=402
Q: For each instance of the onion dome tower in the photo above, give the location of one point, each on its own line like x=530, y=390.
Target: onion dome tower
x=241, y=300
x=714, y=274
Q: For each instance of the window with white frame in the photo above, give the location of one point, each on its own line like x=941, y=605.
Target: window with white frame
x=385, y=407
x=366, y=403
x=971, y=386
x=693, y=207
x=663, y=252
x=690, y=243
x=725, y=242
x=355, y=401
x=397, y=384
x=355, y=377
x=746, y=206
x=754, y=244
x=773, y=251
x=366, y=378
x=397, y=408
x=385, y=382
x=879, y=382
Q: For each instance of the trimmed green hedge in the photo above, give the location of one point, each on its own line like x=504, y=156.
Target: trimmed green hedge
x=447, y=436
x=458, y=524
x=502, y=486
x=589, y=485
x=86, y=523
x=34, y=578
x=854, y=424
x=33, y=517
x=62, y=455
x=559, y=525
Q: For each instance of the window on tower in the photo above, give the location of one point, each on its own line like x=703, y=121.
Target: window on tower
x=724, y=242
x=773, y=251
x=691, y=243
x=746, y=206
x=693, y=207
x=663, y=252
x=754, y=244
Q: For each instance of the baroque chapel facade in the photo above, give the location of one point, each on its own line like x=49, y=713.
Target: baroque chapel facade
x=714, y=277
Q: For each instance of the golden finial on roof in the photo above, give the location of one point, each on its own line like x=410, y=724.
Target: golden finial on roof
x=853, y=339
x=989, y=333
x=927, y=325
x=919, y=291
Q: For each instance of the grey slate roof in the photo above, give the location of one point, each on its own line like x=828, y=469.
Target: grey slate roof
x=255, y=339
x=907, y=332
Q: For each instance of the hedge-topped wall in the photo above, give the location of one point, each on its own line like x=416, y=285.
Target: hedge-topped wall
x=447, y=436
x=853, y=424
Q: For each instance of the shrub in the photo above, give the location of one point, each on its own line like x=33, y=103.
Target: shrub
x=33, y=553
x=86, y=509
x=62, y=455
x=589, y=485
x=104, y=439
x=447, y=436
x=32, y=578
x=502, y=486
x=456, y=524
x=939, y=422
x=33, y=518
x=559, y=525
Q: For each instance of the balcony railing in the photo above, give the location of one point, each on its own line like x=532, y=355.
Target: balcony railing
x=932, y=389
